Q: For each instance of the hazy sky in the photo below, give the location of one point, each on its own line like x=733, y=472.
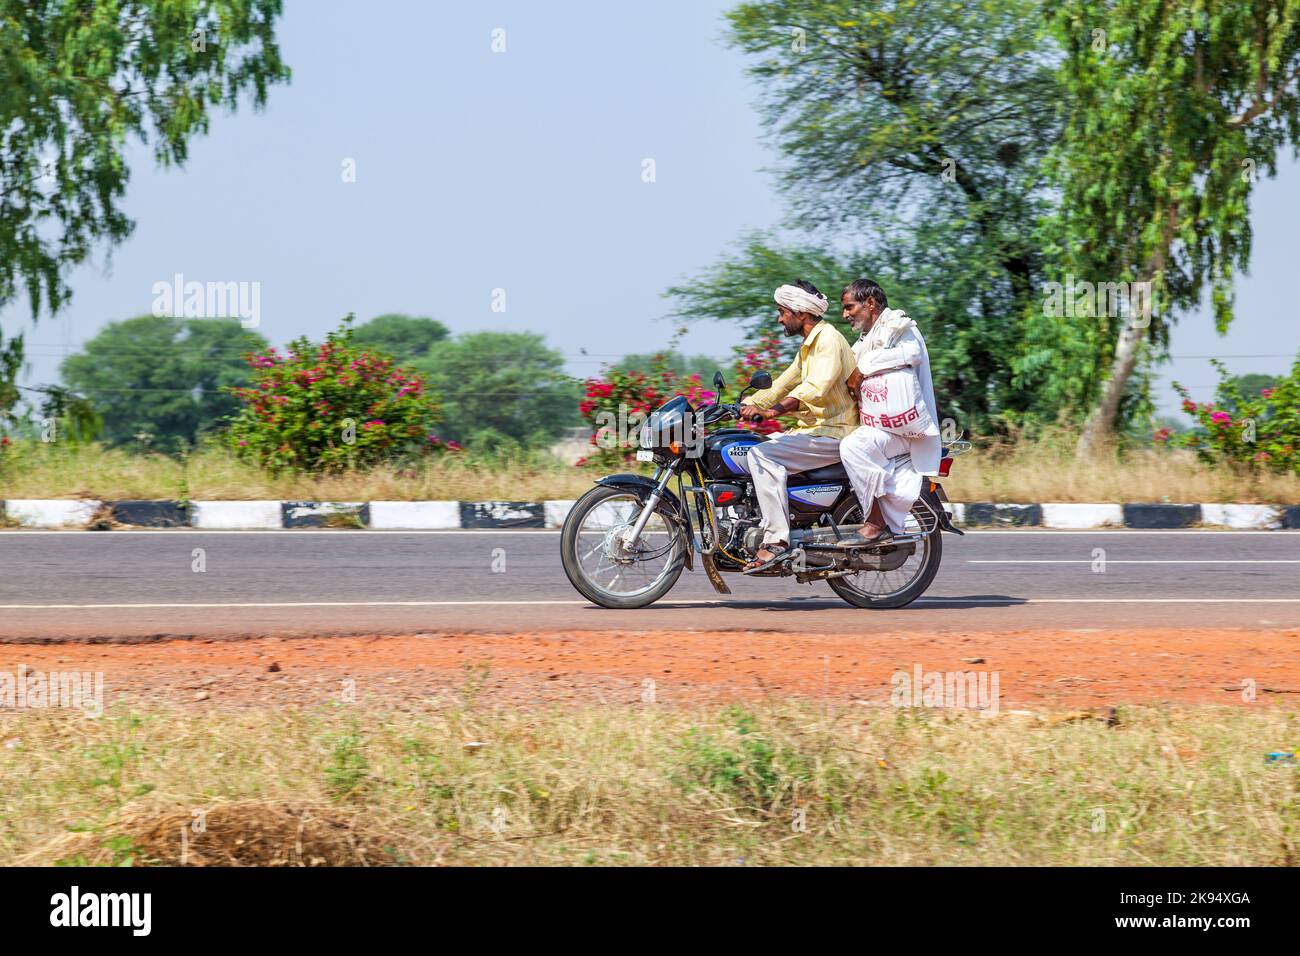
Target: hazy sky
x=519, y=171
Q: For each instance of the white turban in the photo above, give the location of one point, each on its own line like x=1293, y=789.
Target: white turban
x=797, y=300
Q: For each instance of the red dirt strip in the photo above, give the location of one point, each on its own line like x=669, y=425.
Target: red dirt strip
x=1038, y=669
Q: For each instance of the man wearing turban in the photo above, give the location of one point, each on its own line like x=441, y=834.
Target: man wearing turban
x=814, y=389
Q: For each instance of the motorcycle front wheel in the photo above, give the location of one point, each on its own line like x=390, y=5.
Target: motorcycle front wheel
x=596, y=557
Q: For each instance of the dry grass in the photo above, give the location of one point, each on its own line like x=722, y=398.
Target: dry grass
x=44, y=471
x=1029, y=471
x=777, y=783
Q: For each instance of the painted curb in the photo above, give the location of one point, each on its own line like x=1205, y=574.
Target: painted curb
x=324, y=514
x=150, y=513
x=414, y=515
x=502, y=514
x=1161, y=516
x=984, y=513
x=51, y=512
x=554, y=512
x=1071, y=515
x=455, y=515
x=1248, y=517
x=236, y=515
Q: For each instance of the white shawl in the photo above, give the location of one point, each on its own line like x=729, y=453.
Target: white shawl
x=892, y=342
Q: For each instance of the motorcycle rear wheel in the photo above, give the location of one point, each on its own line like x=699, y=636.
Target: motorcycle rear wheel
x=888, y=596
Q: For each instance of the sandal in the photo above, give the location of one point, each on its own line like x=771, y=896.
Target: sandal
x=775, y=553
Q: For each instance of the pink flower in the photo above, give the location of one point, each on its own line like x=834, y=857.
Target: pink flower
x=1221, y=418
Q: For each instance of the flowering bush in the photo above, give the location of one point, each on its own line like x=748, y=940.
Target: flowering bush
x=616, y=403
x=331, y=407
x=1260, y=431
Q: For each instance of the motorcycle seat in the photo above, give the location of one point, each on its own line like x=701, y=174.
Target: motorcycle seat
x=826, y=473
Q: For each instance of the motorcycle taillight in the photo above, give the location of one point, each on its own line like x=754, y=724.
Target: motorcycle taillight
x=945, y=466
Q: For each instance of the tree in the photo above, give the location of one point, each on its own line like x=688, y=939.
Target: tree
x=81, y=78
x=11, y=365
x=912, y=133
x=500, y=387
x=404, y=337
x=1175, y=109
x=160, y=381
x=682, y=366
x=1252, y=383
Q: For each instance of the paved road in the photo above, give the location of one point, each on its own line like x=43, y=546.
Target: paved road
x=60, y=585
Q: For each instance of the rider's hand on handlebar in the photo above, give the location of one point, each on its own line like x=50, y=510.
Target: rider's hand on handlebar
x=752, y=413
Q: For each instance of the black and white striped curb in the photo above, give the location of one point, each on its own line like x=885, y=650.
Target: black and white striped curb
x=441, y=515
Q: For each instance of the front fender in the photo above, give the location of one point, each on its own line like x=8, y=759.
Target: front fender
x=641, y=483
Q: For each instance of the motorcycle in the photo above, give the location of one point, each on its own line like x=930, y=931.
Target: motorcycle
x=626, y=541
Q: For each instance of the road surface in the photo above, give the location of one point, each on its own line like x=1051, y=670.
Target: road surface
x=135, y=584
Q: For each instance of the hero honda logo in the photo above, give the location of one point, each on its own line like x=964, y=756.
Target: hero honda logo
x=736, y=455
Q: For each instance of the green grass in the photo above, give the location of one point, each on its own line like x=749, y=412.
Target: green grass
x=794, y=783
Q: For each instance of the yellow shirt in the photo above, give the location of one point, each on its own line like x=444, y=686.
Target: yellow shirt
x=819, y=379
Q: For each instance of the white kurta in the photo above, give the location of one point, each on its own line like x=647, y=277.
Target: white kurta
x=908, y=350
x=882, y=466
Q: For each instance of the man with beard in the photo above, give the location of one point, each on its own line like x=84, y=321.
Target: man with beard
x=814, y=388
x=886, y=465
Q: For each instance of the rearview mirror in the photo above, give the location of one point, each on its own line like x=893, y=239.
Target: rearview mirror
x=718, y=383
x=761, y=380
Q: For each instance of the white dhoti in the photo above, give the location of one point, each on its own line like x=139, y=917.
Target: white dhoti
x=880, y=467
x=771, y=462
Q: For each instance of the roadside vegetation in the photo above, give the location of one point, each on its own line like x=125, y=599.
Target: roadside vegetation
x=772, y=783
x=1043, y=470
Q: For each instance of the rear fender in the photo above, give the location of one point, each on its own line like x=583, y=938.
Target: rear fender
x=933, y=495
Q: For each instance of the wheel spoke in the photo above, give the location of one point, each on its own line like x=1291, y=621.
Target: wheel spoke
x=616, y=570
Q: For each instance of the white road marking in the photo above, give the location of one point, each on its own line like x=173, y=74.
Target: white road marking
x=272, y=604
x=1130, y=561
x=282, y=532
x=353, y=532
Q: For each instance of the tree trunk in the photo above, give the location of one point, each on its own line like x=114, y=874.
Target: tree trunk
x=1099, y=430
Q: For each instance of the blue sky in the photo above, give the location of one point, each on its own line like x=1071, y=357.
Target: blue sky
x=519, y=171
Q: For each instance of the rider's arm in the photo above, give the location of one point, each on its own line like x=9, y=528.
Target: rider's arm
x=906, y=352
x=779, y=390
x=854, y=384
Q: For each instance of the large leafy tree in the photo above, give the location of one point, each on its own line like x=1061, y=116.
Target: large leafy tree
x=1176, y=108
x=499, y=387
x=404, y=337
x=160, y=381
x=82, y=78
x=911, y=134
